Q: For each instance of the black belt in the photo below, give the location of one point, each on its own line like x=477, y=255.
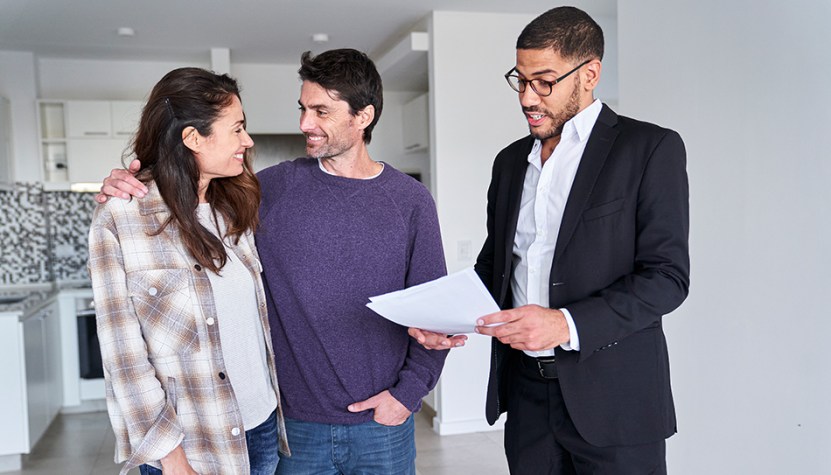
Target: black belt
x=546, y=365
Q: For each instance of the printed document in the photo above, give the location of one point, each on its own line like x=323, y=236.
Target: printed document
x=449, y=305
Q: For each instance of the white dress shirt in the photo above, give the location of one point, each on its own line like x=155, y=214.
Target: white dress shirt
x=544, y=196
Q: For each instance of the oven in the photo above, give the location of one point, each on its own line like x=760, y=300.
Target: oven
x=89, y=351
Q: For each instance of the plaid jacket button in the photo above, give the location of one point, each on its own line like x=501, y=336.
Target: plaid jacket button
x=235, y=431
x=210, y=321
x=221, y=375
x=197, y=267
x=152, y=291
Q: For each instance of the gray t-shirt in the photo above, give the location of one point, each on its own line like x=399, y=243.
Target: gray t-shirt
x=240, y=332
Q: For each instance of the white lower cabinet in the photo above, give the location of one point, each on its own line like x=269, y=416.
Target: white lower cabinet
x=37, y=383
x=14, y=438
x=32, y=369
x=44, y=388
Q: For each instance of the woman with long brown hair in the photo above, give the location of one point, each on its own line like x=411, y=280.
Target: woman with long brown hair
x=182, y=321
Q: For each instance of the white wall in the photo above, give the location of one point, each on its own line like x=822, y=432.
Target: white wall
x=746, y=85
x=105, y=80
x=607, y=89
x=269, y=94
x=18, y=85
x=475, y=114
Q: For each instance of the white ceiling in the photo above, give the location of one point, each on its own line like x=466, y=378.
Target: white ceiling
x=255, y=31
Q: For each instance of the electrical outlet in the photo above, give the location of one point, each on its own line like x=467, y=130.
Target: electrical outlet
x=464, y=250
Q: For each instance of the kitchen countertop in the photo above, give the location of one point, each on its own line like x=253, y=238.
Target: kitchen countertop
x=10, y=306
x=19, y=301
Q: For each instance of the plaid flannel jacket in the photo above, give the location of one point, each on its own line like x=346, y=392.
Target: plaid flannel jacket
x=159, y=337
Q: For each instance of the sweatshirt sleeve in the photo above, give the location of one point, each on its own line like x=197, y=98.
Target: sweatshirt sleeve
x=422, y=367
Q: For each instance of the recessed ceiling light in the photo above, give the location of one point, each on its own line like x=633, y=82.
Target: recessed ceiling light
x=126, y=31
x=320, y=37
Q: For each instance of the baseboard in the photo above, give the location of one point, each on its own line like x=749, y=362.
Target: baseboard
x=465, y=426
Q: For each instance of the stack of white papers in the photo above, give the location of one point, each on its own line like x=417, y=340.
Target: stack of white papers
x=449, y=305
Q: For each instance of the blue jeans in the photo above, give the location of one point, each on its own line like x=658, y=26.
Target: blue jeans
x=359, y=449
x=262, y=442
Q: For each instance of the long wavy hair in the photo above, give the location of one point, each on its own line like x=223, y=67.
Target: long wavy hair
x=194, y=97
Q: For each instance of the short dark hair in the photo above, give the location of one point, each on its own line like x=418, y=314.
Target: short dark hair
x=569, y=31
x=351, y=75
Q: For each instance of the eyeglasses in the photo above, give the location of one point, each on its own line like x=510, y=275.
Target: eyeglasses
x=540, y=86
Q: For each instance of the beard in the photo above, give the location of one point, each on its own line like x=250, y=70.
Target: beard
x=332, y=148
x=337, y=141
x=565, y=114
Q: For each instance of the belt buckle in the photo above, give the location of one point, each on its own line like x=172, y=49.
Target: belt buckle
x=541, y=368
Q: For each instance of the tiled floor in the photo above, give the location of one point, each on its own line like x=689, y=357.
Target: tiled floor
x=82, y=444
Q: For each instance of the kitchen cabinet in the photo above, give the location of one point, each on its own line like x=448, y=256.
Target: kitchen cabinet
x=52, y=140
x=416, y=123
x=44, y=389
x=32, y=370
x=124, y=118
x=89, y=161
x=102, y=119
x=81, y=141
x=14, y=438
x=88, y=119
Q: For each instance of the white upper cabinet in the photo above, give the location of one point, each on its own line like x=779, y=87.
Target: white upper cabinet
x=88, y=119
x=96, y=119
x=81, y=141
x=125, y=117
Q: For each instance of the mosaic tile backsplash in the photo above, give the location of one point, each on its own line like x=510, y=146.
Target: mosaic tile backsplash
x=43, y=235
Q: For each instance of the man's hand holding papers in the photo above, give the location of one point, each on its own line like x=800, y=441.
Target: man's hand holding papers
x=435, y=310
x=437, y=341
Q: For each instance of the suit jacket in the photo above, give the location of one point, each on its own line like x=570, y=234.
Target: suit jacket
x=621, y=262
x=161, y=356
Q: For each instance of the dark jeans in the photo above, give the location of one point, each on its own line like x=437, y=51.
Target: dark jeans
x=366, y=449
x=262, y=449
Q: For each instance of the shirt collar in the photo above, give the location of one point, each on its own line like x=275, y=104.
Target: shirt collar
x=581, y=124
x=320, y=164
x=584, y=121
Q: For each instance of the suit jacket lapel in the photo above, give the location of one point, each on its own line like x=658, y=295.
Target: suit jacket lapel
x=594, y=156
x=514, y=197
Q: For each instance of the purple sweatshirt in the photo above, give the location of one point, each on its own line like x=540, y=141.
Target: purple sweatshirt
x=327, y=244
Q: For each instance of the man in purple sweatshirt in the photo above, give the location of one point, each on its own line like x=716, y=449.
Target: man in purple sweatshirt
x=335, y=228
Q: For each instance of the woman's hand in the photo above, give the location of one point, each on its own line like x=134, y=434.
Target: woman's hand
x=175, y=463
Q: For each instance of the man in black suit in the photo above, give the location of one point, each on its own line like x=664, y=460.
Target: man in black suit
x=587, y=249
